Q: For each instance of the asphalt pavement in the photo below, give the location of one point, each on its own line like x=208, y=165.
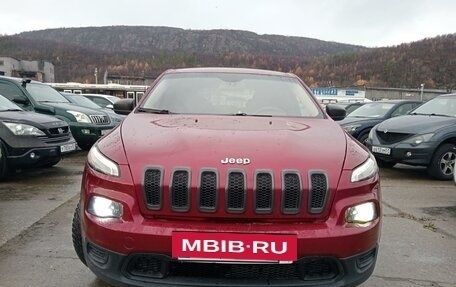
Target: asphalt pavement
x=418, y=245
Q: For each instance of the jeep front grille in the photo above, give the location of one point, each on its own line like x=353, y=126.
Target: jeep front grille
x=153, y=186
x=264, y=197
x=180, y=191
x=263, y=192
x=208, y=191
x=292, y=192
x=99, y=119
x=318, y=191
x=235, y=192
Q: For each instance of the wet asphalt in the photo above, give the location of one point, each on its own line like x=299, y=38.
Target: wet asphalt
x=418, y=245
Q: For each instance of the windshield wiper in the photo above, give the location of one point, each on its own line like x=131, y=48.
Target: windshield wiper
x=249, y=115
x=11, y=110
x=433, y=114
x=154, y=111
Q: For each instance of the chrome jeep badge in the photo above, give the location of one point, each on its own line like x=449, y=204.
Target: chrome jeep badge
x=232, y=160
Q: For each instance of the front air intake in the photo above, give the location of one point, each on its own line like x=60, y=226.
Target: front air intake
x=291, y=193
x=153, y=188
x=318, y=191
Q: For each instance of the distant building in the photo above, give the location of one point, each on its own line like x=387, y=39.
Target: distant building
x=128, y=80
x=42, y=71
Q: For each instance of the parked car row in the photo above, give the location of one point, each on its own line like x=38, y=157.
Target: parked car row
x=409, y=132
x=38, y=124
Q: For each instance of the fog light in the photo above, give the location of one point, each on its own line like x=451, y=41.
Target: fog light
x=362, y=213
x=408, y=154
x=85, y=131
x=104, y=208
x=32, y=155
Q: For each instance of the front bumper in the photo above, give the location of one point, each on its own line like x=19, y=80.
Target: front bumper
x=87, y=134
x=148, y=269
x=406, y=153
x=35, y=153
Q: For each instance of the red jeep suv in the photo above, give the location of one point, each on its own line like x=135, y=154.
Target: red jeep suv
x=229, y=177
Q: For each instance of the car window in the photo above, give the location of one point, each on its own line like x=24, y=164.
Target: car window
x=6, y=104
x=10, y=91
x=403, y=109
x=228, y=94
x=372, y=110
x=83, y=101
x=438, y=106
x=44, y=93
x=100, y=101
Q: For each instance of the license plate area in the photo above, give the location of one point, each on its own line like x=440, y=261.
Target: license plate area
x=381, y=150
x=67, y=148
x=234, y=247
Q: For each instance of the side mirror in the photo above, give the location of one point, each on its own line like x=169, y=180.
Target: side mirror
x=124, y=106
x=20, y=100
x=336, y=112
x=110, y=106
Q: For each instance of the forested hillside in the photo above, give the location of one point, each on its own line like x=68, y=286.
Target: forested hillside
x=137, y=51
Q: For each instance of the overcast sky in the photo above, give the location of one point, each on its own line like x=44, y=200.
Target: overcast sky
x=372, y=23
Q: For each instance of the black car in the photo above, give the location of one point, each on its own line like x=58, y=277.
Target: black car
x=360, y=121
x=29, y=139
x=82, y=101
x=87, y=125
x=349, y=107
x=426, y=137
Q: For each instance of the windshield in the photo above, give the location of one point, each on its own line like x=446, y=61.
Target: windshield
x=6, y=105
x=231, y=94
x=113, y=99
x=445, y=106
x=83, y=101
x=372, y=110
x=44, y=93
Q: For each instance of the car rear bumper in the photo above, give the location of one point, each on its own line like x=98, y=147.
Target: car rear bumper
x=148, y=269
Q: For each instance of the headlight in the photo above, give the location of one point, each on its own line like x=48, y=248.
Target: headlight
x=80, y=117
x=417, y=140
x=371, y=135
x=361, y=213
x=350, y=128
x=101, y=163
x=365, y=171
x=24, y=130
x=105, y=208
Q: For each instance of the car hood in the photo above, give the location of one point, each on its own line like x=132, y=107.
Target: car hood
x=38, y=120
x=353, y=120
x=416, y=124
x=74, y=107
x=199, y=142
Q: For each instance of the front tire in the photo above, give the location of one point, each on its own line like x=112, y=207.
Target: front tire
x=76, y=235
x=442, y=162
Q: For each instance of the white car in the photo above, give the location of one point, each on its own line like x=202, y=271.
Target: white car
x=104, y=101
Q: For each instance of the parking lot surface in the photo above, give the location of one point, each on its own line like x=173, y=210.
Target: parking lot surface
x=418, y=245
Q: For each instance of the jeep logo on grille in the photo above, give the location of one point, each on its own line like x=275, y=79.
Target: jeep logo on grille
x=232, y=160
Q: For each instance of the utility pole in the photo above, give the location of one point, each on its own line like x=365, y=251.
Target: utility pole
x=421, y=92
x=96, y=75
